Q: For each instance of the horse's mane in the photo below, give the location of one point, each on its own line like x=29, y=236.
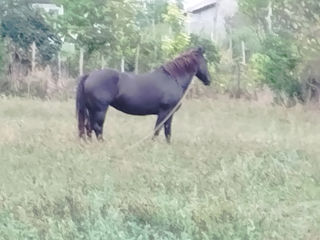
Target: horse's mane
x=186, y=62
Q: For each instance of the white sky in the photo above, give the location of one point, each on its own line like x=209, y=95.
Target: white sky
x=188, y=3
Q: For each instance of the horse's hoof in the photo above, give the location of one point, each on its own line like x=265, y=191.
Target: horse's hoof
x=100, y=139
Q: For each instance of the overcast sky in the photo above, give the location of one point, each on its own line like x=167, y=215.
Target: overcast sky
x=188, y=3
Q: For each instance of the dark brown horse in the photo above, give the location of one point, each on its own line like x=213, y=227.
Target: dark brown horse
x=156, y=92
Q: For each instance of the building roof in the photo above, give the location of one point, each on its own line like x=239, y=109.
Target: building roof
x=203, y=5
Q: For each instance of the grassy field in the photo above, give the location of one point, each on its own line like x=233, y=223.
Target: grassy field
x=235, y=170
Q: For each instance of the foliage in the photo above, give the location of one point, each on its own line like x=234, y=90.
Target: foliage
x=176, y=40
x=240, y=29
x=105, y=27
x=116, y=30
x=25, y=25
x=276, y=65
x=255, y=9
x=175, y=45
x=81, y=23
x=257, y=66
x=211, y=50
x=174, y=17
x=125, y=29
x=292, y=17
x=301, y=20
x=152, y=12
x=288, y=31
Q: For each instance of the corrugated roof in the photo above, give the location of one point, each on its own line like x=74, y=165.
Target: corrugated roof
x=202, y=6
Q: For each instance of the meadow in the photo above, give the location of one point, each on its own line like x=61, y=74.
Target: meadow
x=234, y=170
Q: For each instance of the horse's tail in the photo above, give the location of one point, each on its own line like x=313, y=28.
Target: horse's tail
x=81, y=105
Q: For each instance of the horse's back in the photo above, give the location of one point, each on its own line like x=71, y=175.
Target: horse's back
x=101, y=78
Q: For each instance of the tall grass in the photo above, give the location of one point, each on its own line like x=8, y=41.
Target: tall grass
x=235, y=170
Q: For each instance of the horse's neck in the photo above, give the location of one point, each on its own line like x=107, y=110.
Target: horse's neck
x=185, y=80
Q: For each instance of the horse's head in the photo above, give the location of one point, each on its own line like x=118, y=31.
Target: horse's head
x=189, y=63
x=202, y=70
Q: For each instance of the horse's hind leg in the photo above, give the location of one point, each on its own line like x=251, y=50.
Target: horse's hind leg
x=88, y=124
x=81, y=126
x=97, y=123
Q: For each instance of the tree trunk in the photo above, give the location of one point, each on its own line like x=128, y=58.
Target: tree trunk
x=59, y=66
x=81, y=62
x=33, y=63
x=103, y=62
x=214, y=36
x=314, y=92
x=170, y=30
x=231, y=44
x=153, y=29
x=136, y=67
x=269, y=17
x=122, y=64
x=238, y=89
x=33, y=66
x=243, y=47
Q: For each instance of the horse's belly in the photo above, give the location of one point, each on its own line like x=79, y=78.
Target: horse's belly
x=136, y=106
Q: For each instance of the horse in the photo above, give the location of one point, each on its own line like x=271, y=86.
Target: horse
x=154, y=93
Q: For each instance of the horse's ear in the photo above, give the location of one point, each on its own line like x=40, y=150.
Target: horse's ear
x=200, y=50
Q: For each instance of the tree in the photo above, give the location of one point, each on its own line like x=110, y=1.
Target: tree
x=288, y=30
x=177, y=39
x=279, y=65
x=152, y=31
x=24, y=25
x=107, y=27
x=296, y=19
x=211, y=51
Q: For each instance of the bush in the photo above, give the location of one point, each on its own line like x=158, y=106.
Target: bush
x=276, y=66
x=211, y=51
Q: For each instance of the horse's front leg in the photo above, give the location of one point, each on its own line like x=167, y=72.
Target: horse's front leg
x=167, y=129
x=97, y=123
x=161, y=116
x=156, y=128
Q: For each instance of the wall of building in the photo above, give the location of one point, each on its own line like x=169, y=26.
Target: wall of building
x=210, y=23
x=203, y=23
